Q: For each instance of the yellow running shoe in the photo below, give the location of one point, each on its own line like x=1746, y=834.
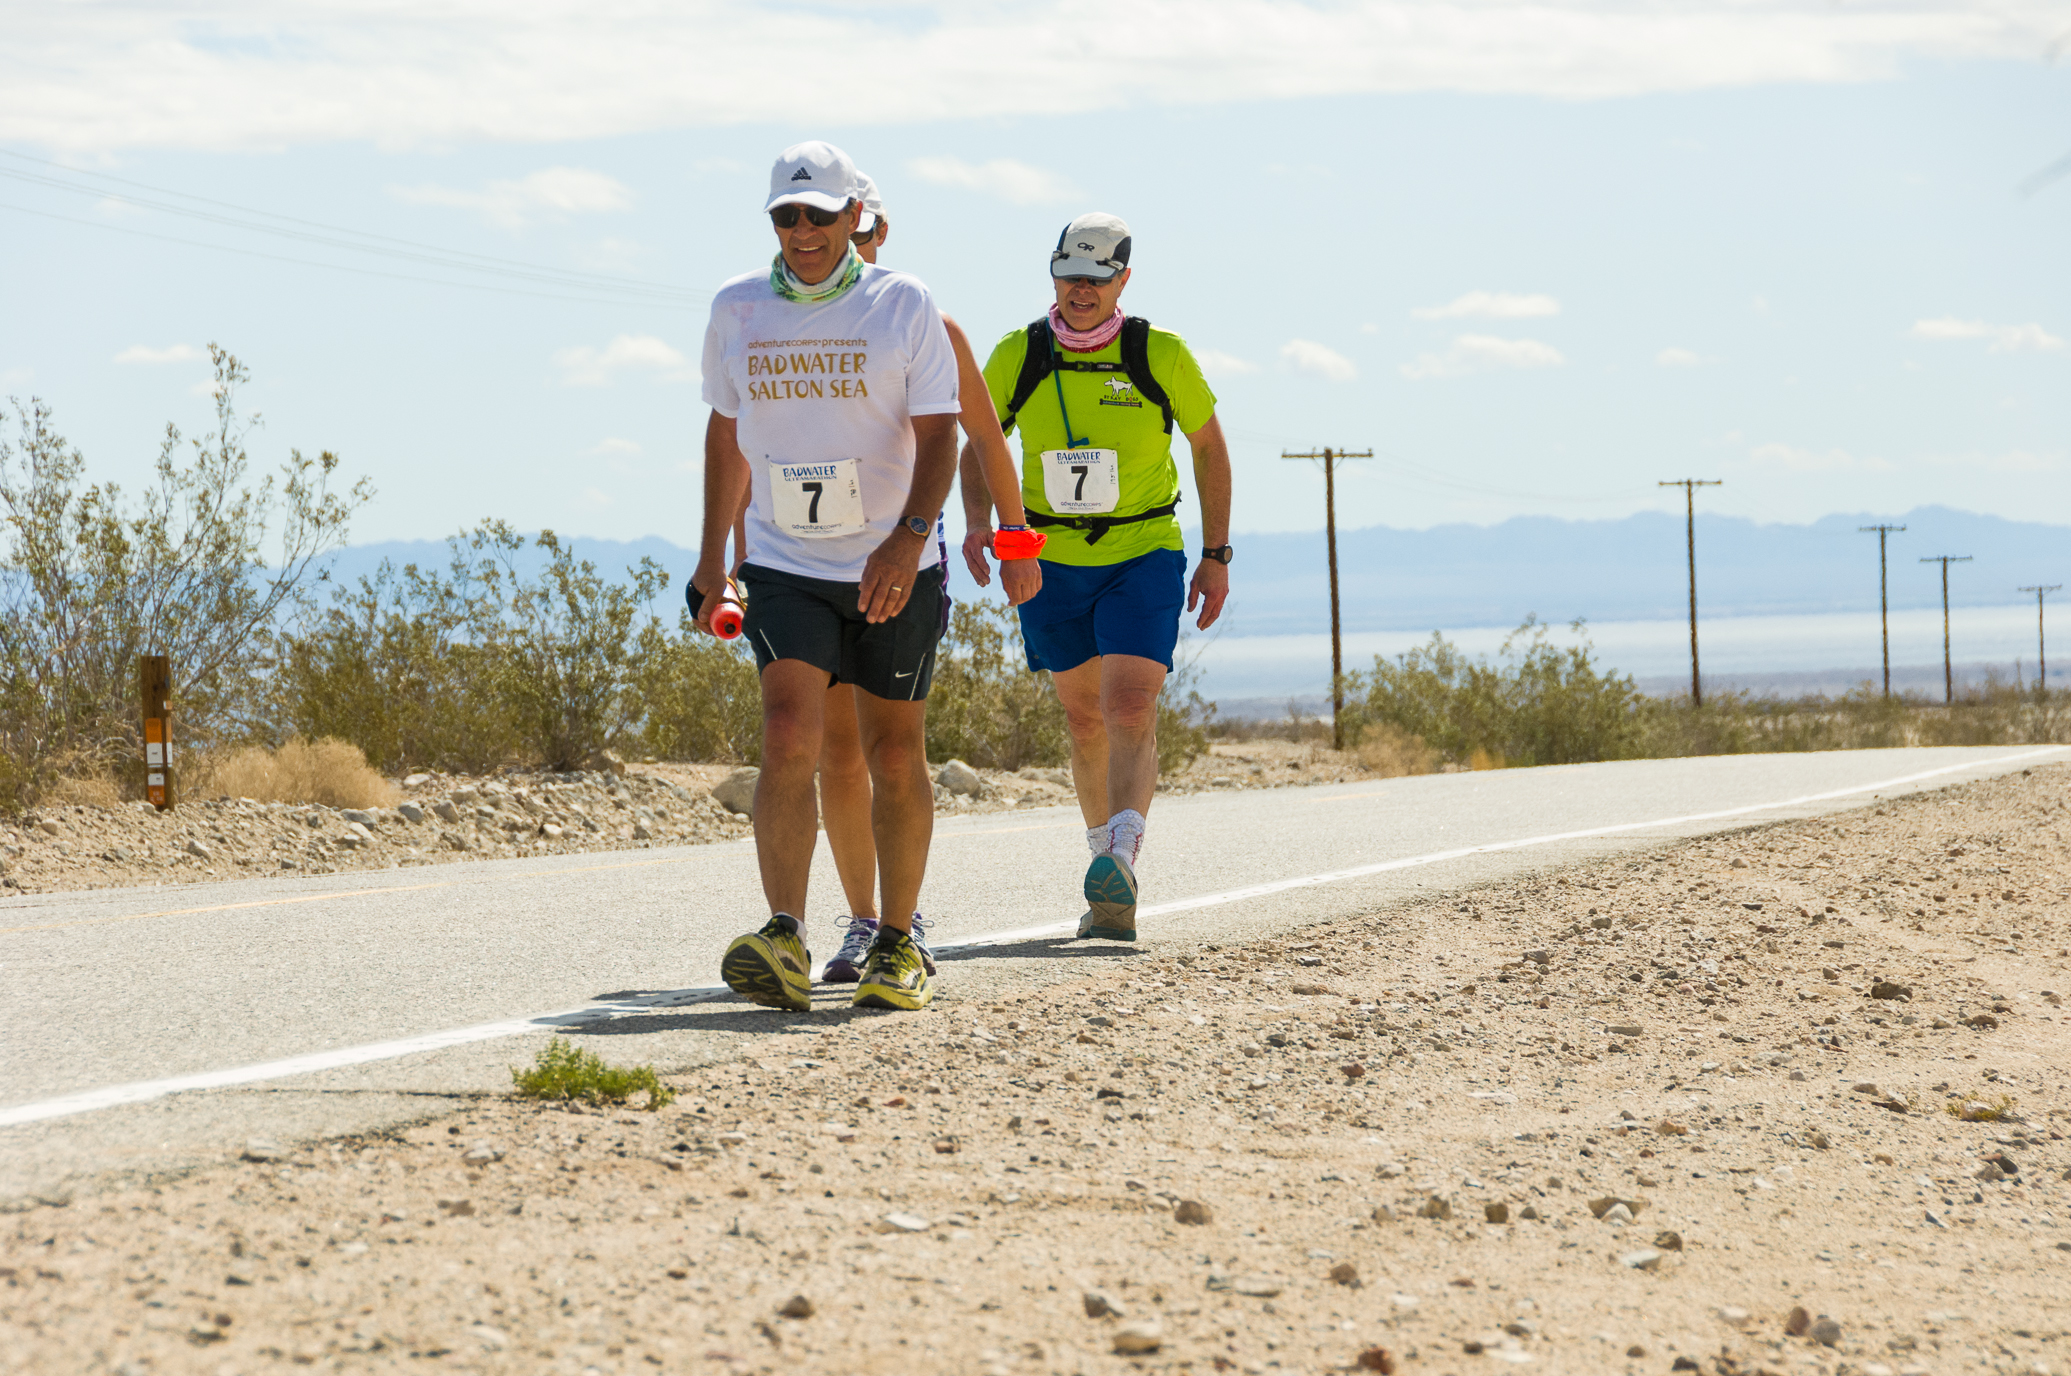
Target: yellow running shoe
x=771, y=967
x=894, y=976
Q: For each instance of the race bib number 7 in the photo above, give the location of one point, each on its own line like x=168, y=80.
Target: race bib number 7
x=1081, y=481
x=816, y=501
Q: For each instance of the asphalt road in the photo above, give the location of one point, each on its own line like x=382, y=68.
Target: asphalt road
x=153, y=1029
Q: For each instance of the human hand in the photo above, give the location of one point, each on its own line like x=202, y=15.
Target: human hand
x=976, y=543
x=1020, y=579
x=1210, y=588
x=888, y=576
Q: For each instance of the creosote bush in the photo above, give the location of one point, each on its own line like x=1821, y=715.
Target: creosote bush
x=330, y=772
x=567, y=1074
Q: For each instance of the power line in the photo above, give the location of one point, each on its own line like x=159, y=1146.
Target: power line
x=1330, y=530
x=1883, y=601
x=1690, y=486
x=351, y=240
x=1948, y=669
x=2041, y=590
x=319, y=263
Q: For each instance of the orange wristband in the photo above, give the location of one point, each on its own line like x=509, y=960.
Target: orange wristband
x=1018, y=544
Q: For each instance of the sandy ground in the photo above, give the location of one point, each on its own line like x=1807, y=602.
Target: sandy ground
x=1384, y=1144
x=61, y=848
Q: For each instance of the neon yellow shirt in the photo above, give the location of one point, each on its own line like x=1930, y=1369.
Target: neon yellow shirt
x=1107, y=412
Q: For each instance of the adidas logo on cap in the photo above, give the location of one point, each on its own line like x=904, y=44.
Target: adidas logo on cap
x=801, y=175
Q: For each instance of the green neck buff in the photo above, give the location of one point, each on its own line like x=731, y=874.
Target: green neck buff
x=785, y=283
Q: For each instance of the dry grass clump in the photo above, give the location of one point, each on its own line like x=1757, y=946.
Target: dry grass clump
x=90, y=790
x=1390, y=752
x=331, y=772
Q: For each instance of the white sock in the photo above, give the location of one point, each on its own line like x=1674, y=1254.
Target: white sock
x=1125, y=834
x=1096, y=840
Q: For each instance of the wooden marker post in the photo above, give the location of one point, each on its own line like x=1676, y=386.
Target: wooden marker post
x=155, y=688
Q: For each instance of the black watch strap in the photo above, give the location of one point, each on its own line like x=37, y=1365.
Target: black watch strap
x=1219, y=553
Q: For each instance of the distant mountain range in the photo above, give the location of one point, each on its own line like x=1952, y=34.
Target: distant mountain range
x=1629, y=569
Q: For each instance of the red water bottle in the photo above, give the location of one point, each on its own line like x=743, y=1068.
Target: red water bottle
x=731, y=614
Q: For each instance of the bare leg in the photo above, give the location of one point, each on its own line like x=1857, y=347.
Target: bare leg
x=845, y=802
x=902, y=807
x=1129, y=687
x=794, y=701
x=1078, y=689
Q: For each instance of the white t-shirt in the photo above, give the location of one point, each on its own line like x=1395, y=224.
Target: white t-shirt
x=824, y=397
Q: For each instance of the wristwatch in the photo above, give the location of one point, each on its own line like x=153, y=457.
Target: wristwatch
x=919, y=525
x=1219, y=553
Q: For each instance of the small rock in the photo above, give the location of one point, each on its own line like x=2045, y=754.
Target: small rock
x=1258, y=1287
x=552, y=831
x=732, y=1139
x=457, y=1208
x=1616, y=1214
x=1886, y=989
x=445, y=811
x=482, y=1153
x=1819, y=1139
x=1646, y=1259
x=736, y=792
x=1602, y=1206
x=1193, y=1211
x=416, y=780
x=1345, y=1273
x=797, y=1307
x=1377, y=1359
x=1734, y=1317
x=1435, y=1207
x=1826, y=1332
x=1668, y=1240
x=263, y=1149
x=902, y=1223
x=945, y=1146
x=642, y=832
x=1352, y=1070
x=1990, y=1172
x=238, y=1278
x=1668, y=1127
x=1142, y=1335
x=1624, y=1029
x=1864, y=1088
x=1383, y=1214
x=958, y=777
x=197, y=850
x=1496, y=1211
x=1635, y=1351
x=1983, y=1022
x=410, y=812
x=1100, y=1305
x=1797, y=1323
x=359, y=815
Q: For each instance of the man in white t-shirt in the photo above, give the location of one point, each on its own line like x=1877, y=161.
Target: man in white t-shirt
x=833, y=390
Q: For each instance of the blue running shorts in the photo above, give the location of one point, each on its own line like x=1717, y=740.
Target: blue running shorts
x=1130, y=608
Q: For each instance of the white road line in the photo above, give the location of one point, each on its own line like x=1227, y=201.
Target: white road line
x=144, y=1090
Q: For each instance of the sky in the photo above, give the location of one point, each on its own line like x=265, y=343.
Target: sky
x=1537, y=257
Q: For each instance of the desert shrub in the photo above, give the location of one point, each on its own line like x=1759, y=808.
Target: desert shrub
x=1538, y=703
x=198, y=567
x=700, y=698
x=985, y=707
x=1391, y=752
x=568, y=1074
x=331, y=772
x=475, y=666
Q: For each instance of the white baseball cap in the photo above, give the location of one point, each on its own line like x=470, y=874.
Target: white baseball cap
x=815, y=174
x=1094, y=245
x=873, y=204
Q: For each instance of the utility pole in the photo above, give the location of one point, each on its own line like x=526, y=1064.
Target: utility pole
x=1330, y=459
x=1948, y=672
x=1690, y=486
x=1883, y=600
x=2041, y=590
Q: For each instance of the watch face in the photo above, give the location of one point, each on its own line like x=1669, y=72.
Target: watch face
x=918, y=525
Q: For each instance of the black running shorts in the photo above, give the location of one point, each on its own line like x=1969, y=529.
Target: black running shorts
x=791, y=616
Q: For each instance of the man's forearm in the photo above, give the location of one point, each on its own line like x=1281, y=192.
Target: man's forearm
x=1212, y=483
x=977, y=493
x=934, y=465
x=726, y=485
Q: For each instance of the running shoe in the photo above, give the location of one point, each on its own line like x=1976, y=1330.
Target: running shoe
x=1111, y=900
x=893, y=976
x=847, y=965
x=920, y=939
x=771, y=967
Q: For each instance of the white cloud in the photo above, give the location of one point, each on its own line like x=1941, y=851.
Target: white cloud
x=613, y=446
x=1491, y=305
x=1677, y=358
x=1481, y=353
x=1321, y=360
x=584, y=366
x=175, y=353
x=1800, y=460
x=553, y=192
x=1216, y=363
x=2006, y=339
x=1013, y=182
x=252, y=75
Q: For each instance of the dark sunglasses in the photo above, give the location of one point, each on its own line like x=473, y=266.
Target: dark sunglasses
x=1088, y=281
x=786, y=216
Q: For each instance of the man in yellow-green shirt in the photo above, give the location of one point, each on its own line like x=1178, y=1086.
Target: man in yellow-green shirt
x=1096, y=396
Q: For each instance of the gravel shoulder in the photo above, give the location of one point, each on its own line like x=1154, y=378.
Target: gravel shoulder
x=1417, y=1129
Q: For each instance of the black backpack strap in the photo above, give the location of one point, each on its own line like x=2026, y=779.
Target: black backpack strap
x=1136, y=361
x=1036, y=364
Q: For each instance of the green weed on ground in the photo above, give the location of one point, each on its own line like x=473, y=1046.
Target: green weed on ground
x=565, y=1073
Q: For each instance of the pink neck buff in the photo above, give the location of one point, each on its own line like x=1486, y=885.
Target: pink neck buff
x=1085, y=341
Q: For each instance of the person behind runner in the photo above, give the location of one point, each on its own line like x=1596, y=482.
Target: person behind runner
x=833, y=390
x=1096, y=395
x=844, y=774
